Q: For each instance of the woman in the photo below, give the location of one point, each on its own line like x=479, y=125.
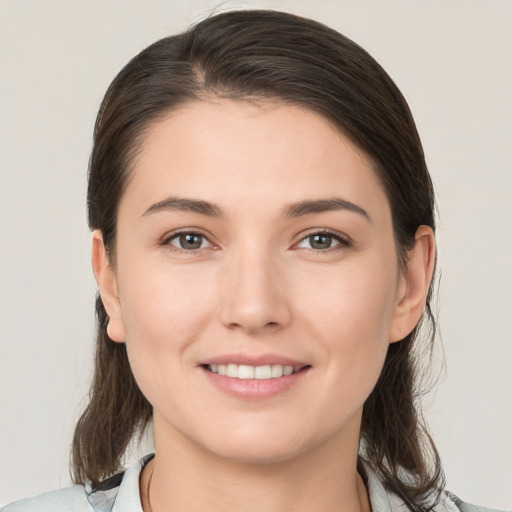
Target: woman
x=263, y=242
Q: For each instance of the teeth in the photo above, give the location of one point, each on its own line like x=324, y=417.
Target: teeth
x=232, y=370
x=277, y=370
x=264, y=372
x=243, y=371
x=288, y=370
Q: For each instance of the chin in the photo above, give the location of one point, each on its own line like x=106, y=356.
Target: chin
x=258, y=453
x=263, y=446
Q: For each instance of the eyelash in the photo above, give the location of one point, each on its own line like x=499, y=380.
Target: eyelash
x=343, y=242
x=167, y=241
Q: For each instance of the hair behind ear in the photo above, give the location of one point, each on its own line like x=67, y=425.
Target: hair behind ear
x=116, y=411
x=394, y=437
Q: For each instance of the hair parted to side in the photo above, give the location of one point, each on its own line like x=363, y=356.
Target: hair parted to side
x=265, y=55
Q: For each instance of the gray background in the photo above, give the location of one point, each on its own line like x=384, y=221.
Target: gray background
x=452, y=60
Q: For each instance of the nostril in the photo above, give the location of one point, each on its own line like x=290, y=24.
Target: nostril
x=253, y=313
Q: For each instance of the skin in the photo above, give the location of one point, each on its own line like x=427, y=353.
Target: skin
x=258, y=284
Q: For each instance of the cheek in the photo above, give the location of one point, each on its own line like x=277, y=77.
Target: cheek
x=164, y=312
x=160, y=296
x=355, y=302
x=165, y=316
x=351, y=318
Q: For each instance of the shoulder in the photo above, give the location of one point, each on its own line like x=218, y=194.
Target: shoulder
x=71, y=499
x=448, y=502
x=382, y=499
x=455, y=504
x=119, y=493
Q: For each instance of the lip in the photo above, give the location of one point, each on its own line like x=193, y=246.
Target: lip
x=254, y=389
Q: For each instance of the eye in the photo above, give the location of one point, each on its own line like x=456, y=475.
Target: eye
x=322, y=241
x=188, y=241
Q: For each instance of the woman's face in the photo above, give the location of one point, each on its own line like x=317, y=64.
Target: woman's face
x=256, y=240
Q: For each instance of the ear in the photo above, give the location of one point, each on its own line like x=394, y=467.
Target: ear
x=107, y=285
x=414, y=284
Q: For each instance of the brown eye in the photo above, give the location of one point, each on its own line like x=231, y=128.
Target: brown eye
x=320, y=241
x=188, y=241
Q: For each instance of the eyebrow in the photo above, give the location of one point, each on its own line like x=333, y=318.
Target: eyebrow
x=323, y=205
x=298, y=209
x=186, y=205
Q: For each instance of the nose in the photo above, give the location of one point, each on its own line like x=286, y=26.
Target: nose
x=254, y=295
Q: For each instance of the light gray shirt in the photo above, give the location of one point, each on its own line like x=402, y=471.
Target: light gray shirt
x=123, y=495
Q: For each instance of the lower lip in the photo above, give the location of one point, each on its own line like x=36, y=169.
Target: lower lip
x=255, y=389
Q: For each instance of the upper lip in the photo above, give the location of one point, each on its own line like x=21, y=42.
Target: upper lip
x=254, y=360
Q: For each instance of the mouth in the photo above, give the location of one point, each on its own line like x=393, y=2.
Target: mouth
x=247, y=372
x=254, y=377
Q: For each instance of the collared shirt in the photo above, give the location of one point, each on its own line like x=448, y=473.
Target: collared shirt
x=121, y=493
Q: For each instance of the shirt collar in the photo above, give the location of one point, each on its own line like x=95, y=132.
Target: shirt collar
x=126, y=496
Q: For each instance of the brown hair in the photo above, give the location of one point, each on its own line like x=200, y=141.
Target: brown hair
x=265, y=54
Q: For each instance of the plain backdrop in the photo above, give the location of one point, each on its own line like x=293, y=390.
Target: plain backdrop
x=453, y=62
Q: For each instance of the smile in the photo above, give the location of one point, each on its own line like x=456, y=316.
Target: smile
x=246, y=372
x=254, y=377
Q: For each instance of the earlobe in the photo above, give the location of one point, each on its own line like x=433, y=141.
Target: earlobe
x=107, y=286
x=412, y=294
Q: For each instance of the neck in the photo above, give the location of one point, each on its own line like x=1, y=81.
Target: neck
x=187, y=478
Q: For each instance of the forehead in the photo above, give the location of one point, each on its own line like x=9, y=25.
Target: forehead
x=249, y=153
